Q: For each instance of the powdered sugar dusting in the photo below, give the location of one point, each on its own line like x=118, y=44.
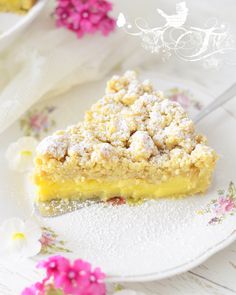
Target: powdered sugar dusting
x=142, y=145
x=109, y=235
x=132, y=123
x=55, y=145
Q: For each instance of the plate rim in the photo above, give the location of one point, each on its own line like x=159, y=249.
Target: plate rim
x=34, y=11
x=164, y=274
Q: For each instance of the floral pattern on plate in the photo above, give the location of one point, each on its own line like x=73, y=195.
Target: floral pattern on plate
x=223, y=206
x=183, y=97
x=37, y=121
x=50, y=242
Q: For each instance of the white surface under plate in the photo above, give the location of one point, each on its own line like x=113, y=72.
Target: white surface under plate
x=12, y=25
x=151, y=241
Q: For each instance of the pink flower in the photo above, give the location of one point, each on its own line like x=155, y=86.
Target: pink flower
x=74, y=278
x=77, y=278
x=36, y=289
x=84, y=16
x=225, y=204
x=106, y=25
x=46, y=240
x=54, y=265
x=38, y=121
x=102, y=5
x=29, y=291
x=97, y=285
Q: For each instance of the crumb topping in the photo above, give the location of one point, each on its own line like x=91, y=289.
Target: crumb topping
x=133, y=125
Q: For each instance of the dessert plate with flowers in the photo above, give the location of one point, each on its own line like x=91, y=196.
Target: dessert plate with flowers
x=13, y=24
x=149, y=241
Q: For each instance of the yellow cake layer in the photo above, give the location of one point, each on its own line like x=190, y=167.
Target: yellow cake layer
x=131, y=188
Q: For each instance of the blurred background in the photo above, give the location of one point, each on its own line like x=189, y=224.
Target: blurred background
x=44, y=61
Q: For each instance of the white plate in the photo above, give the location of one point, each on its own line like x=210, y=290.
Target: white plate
x=148, y=242
x=12, y=25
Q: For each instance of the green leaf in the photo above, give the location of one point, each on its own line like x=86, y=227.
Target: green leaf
x=54, y=292
x=232, y=189
x=118, y=287
x=221, y=191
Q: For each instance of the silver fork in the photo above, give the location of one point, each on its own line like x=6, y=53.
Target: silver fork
x=219, y=101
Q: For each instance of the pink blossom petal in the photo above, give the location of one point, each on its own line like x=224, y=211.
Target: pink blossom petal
x=74, y=279
x=107, y=25
x=82, y=16
x=36, y=289
x=54, y=265
x=29, y=291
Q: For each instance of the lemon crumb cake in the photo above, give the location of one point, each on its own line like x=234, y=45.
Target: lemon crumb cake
x=133, y=143
x=18, y=6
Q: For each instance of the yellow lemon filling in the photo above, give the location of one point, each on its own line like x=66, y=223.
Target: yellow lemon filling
x=130, y=188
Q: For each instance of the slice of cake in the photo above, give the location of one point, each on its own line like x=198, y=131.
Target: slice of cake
x=18, y=6
x=133, y=143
